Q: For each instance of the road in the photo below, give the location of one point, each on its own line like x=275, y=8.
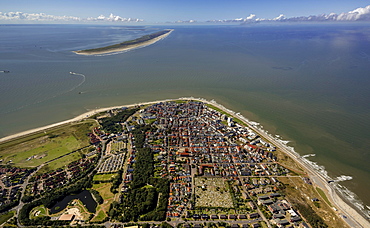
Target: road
x=24, y=185
x=353, y=218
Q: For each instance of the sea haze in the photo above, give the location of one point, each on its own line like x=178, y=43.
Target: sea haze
x=307, y=83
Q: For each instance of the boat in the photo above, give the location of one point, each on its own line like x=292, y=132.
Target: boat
x=5, y=71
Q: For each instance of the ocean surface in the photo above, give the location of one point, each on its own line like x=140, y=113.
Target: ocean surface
x=310, y=84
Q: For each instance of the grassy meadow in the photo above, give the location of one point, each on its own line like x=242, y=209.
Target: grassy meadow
x=38, y=148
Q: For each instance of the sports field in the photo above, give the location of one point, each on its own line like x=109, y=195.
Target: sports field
x=104, y=177
x=34, y=150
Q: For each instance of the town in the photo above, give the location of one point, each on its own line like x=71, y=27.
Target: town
x=182, y=162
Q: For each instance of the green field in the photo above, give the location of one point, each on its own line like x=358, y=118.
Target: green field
x=108, y=197
x=38, y=212
x=150, y=121
x=104, y=177
x=104, y=190
x=59, y=163
x=117, y=146
x=323, y=195
x=6, y=216
x=38, y=148
x=100, y=215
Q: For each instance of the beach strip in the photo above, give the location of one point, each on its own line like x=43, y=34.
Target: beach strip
x=122, y=47
x=354, y=218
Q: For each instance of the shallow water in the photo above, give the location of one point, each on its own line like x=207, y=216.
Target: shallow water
x=307, y=83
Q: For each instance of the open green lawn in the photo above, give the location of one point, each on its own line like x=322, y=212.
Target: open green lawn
x=104, y=177
x=117, y=146
x=99, y=216
x=38, y=212
x=108, y=197
x=180, y=101
x=38, y=148
x=5, y=217
x=52, y=148
x=104, y=190
x=59, y=163
x=227, y=114
x=323, y=195
x=150, y=121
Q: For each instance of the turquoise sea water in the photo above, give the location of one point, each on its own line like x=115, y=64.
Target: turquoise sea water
x=307, y=83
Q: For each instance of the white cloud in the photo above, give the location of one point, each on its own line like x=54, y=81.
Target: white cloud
x=41, y=17
x=35, y=17
x=279, y=18
x=359, y=14
x=250, y=17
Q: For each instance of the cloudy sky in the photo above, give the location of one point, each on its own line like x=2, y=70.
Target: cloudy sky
x=152, y=11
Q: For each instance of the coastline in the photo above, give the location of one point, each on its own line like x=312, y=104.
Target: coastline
x=353, y=217
x=125, y=48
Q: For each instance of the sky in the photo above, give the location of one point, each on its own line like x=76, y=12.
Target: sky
x=174, y=10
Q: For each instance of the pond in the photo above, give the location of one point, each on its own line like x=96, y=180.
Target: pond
x=85, y=197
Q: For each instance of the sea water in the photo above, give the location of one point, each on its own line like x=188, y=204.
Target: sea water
x=307, y=83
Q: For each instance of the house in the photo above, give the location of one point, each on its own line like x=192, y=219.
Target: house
x=66, y=217
x=205, y=216
x=252, y=205
x=232, y=216
x=223, y=217
x=292, y=213
x=273, y=195
x=267, y=202
x=279, y=216
x=254, y=215
x=282, y=222
x=242, y=217
x=295, y=219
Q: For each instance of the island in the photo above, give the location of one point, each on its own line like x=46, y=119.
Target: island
x=184, y=162
x=127, y=45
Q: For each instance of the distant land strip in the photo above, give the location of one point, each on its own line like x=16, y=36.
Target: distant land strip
x=127, y=45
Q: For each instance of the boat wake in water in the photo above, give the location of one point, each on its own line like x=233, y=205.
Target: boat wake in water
x=52, y=97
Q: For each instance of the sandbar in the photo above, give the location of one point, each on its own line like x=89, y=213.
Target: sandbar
x=127, y=45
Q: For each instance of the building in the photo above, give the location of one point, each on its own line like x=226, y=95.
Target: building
x=66, y=217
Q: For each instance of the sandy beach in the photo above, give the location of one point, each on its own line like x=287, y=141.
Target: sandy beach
x=352, y=217
x=125, y=48
x=76, y=119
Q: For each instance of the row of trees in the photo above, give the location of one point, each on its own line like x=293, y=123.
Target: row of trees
x=141, y=201
x=111, y=124
x=310, y=215
x=49, y=200
x=98, y=198
x=143, y=169
x=116, y=181
x=82, y=174
x=162, y=186
x=7, y=206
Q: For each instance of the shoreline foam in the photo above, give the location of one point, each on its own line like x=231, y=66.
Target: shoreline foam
x=316, y=172
x=126, y=48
